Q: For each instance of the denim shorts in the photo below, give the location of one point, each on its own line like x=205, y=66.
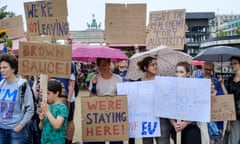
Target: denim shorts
x=9, y=136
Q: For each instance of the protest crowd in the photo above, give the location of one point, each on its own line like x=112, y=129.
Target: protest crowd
x=138, y=97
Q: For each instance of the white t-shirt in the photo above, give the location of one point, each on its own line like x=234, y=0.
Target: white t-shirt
x=106, y=86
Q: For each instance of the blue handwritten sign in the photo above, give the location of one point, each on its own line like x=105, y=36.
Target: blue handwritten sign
x=142, y=122
x=182, y=98
x=56, y=27
x=50, y=8
x=166, y=28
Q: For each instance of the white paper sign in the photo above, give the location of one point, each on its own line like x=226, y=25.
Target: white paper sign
x=182, y=98
x=142, y=122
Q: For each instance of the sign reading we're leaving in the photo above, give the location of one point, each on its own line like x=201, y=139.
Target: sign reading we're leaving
x=47, y=18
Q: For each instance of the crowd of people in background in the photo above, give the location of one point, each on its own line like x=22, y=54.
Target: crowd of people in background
x=25, y=119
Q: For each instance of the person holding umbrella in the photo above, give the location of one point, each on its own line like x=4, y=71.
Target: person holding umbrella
x=232, y=136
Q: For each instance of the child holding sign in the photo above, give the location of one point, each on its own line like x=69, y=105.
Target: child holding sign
x=53, y=119
x=190, y=132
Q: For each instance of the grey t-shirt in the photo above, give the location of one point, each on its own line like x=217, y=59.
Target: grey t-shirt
x=106, y=86
x=11, y=112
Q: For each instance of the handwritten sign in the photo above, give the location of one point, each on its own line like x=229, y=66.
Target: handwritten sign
x=47, y=18
x=166, y=28
x=47, y=39
x=42, y=58
x=125, y=24
x=142, y=122
x=182, y=98
x=223, y=108
x=104, y=118
x=13, y=26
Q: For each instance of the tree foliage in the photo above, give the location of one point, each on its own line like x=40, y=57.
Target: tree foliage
x=238, y=31
x=221, y=33
x=4, y=13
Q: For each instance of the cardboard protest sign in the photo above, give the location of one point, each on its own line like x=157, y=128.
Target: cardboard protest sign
x=50, y=8
x=125, y=24
x=47, y=18
x=43, y=58
x=104, y=118
x=40, y=39
x=166, y=28
x=13, y=26
x=182, y=98
x=142, y=122
x=223, y=108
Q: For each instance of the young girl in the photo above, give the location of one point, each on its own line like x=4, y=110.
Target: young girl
x=190, y=131
x=53, y=119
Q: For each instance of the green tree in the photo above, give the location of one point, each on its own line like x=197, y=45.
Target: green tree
x=238, y=31
x=4, y=13
x=129, y=53
x=221, y=33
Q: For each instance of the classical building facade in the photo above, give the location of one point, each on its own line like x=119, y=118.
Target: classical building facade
x=93, y=35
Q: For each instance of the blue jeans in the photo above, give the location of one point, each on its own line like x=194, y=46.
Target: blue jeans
x=34, y=133
x=9, y=136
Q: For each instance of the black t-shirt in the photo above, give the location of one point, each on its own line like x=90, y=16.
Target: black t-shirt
x=234, y=88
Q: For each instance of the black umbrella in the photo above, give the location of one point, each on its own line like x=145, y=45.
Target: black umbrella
x=218, y=54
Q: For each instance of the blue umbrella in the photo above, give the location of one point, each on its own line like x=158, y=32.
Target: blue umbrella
x=218, y=54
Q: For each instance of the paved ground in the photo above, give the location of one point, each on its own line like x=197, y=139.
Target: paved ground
x=77, y=120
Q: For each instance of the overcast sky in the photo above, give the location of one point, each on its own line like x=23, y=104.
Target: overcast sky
x=80, y=11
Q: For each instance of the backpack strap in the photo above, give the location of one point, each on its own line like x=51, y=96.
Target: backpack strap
x=1, y=82
x=22, y=94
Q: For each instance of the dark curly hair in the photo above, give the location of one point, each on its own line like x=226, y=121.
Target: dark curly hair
x=145, y=63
